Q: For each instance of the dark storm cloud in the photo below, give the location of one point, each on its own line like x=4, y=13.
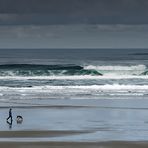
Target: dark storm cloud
x=64, y=6
x=73, y=11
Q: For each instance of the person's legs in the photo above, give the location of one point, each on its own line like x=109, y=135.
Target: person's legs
x=8, y=118
x=11, y=118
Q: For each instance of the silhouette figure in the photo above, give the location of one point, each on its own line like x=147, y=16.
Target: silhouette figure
x=10, y=116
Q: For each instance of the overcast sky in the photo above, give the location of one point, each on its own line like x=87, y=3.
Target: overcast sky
x=73, y=11
x=73, y=23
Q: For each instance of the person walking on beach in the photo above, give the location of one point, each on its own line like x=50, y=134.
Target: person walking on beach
x=10, y=115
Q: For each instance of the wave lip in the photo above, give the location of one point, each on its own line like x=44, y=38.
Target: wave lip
x=145, y=73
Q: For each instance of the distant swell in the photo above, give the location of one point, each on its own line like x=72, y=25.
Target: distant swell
x=40, y=67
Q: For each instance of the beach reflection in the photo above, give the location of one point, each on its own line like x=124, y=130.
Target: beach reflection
x=10, y=123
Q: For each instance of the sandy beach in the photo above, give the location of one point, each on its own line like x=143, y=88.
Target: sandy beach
x=73, y=145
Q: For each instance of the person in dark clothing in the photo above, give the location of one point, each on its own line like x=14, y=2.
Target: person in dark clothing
x=10, y=115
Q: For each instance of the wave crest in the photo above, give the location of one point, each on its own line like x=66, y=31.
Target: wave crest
x=71, y=70
x=44, y=70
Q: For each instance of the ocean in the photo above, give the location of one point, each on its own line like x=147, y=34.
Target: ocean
x=73, y=74
x=74, y=95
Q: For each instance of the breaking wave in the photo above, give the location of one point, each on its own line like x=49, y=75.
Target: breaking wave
x=91, y=87
x=44, y=70
x=78, y=91
x=118, y=69
x=72, y=81
x=33, y=70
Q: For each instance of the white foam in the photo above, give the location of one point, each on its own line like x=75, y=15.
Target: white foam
x=116, y=87
x=118, y=70
x=1, y=94
x=106, y=76
x=99, y=87
x=90, y=92
x=117, y=67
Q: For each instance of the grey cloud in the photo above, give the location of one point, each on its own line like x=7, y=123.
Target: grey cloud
x=59, y=30
x=74, y=36
x=122, y=28
x=64, y=6
x=74, y=11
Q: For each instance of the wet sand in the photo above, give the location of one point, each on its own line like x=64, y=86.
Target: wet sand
x=118, y=144
x=96, y=124
x=38, y=134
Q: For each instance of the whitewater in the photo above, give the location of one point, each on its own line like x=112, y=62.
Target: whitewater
x=73, y=81
x=79, y=74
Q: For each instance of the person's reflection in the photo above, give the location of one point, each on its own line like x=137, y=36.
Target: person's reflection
x=10, y=123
